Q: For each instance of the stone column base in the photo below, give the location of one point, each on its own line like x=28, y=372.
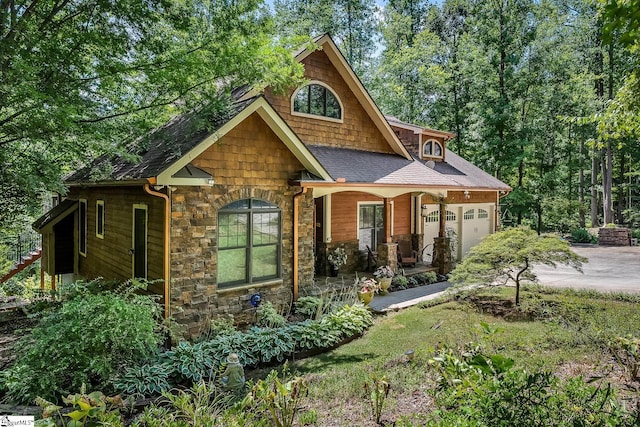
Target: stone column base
x=442, y=255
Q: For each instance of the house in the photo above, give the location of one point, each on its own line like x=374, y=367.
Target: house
x=255, y=203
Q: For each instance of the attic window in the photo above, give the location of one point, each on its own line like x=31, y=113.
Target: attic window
x=432, y=148
x=317, y=100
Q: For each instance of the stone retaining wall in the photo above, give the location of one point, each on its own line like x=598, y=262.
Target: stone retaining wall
x=614, y=236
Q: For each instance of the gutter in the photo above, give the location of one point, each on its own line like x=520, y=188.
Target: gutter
x=296, y=249
x=167, y=219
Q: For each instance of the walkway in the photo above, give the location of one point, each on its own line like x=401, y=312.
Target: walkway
x=402, y=299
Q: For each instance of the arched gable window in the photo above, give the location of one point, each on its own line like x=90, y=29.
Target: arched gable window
x=317, y=99
x=249, y=242
x=432, y=148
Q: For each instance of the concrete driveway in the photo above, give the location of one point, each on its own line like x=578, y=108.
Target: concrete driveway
x=610, y=269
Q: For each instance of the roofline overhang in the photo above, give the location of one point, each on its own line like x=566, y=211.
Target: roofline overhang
x=382, y=190
x=262, y=107
x=123, y=183
x=421, y=130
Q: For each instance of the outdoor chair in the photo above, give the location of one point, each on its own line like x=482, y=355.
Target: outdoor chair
x=406, y=255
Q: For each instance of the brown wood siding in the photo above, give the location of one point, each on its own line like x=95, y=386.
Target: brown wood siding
x=344, y=214
x=410, y=139
x=357, y=130
x=109, y=257
x=250, y=154
x=457, y=197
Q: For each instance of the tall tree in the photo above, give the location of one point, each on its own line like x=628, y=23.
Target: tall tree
x=81, y=78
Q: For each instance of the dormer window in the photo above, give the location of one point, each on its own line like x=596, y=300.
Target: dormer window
x=318, y=100
x=432, y=148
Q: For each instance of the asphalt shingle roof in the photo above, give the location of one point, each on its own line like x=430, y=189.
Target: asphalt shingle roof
x=380, y=168
x=157, y=151
x=466, y=173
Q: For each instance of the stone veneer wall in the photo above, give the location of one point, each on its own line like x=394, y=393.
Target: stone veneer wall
x=195, y=297
x=614, y=236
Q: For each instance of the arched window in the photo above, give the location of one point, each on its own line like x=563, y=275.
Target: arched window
x=433, y=217
x=482, y=214
x=432, y=148
x=469, y=214
x=249, y=242
x=450, y=216
x=317, y=100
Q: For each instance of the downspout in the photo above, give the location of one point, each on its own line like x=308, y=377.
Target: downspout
x=296, y=249
x=167, y=219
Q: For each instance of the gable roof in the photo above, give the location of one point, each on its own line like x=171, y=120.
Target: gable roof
x=55, y=215
x=362, y=95
x=171, y=148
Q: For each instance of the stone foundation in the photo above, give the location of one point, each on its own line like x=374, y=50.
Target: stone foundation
x=614, y=236
x=388, y=255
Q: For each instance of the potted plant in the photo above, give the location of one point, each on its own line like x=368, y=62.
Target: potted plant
x=367, y=288
x=384, y=274
x=337, y=258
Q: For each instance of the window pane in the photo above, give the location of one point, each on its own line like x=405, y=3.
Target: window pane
x=317, y=100
x=266, y=228
x=469, y=214
x=232, y=230
x=366, y=237
x=232, y=265
x=264, y=262
x=100, y=219
x=379, y=219
x=301, y=101
x=333, y=106
x=240, y=204
x=437, y=150
x=261, y=204
x=482, y=214
x=366, y=216
x=427, y=149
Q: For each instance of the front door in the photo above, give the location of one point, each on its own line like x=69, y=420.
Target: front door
x=139, y=243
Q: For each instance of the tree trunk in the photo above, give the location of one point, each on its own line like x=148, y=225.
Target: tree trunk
x=594, y=188
x=581, y=185
x=607, y=163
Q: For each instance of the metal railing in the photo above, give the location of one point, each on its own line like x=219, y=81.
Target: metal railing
x=21, y=245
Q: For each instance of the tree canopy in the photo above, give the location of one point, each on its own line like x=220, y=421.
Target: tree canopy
x=509, y=256
x=83, y=78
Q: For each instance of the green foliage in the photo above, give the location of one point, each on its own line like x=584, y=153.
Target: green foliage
x=309, y=306
x=88, y=340
x=580, y=235
x=426, y=278
x=279, y=401
x=188, y=363
x=268, y=317
x=377, y=390
x=145, y=380
x=221, y=326
x=488, y=391
x=399, y=282
x=510, y=255
x=201, y=405
x=626, y=351
x=309, y=417
x=88, y=410
x=560, y=214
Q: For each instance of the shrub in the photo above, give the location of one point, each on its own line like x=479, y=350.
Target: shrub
x=221, y=326
x=149, y=379
x=426, y=278
x=308, y=306
x=268, y=317
x=398, y=283
x=87, y=341
x=626, y=351
x=580, y=235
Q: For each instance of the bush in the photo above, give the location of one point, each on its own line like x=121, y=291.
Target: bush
x=268, y=317
x=87, y=341
x=308, y=306
x=580, y=235
x=399, y=283
x=426, y=278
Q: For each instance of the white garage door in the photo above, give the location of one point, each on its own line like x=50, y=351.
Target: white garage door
x=476, y=223
x=432, y=227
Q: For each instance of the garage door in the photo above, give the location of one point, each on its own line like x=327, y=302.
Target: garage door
x=432, y=227
x=476, y=223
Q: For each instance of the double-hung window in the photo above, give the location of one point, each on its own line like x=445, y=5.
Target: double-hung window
x=249, y=242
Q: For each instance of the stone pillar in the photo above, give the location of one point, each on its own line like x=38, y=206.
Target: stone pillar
x=442, y=255
x=388, y=255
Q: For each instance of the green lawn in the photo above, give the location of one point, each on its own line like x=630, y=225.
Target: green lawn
x=562, y=332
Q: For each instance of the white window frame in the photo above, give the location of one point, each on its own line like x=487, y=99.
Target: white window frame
x=372, y=203
x=314, y=116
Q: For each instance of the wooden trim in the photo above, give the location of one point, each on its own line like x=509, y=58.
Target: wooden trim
x=100, y=233
x=145, y=208
x=430, y=156
x=86, y=226
x=327, y=218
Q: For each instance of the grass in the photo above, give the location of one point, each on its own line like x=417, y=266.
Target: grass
x=551, y=330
